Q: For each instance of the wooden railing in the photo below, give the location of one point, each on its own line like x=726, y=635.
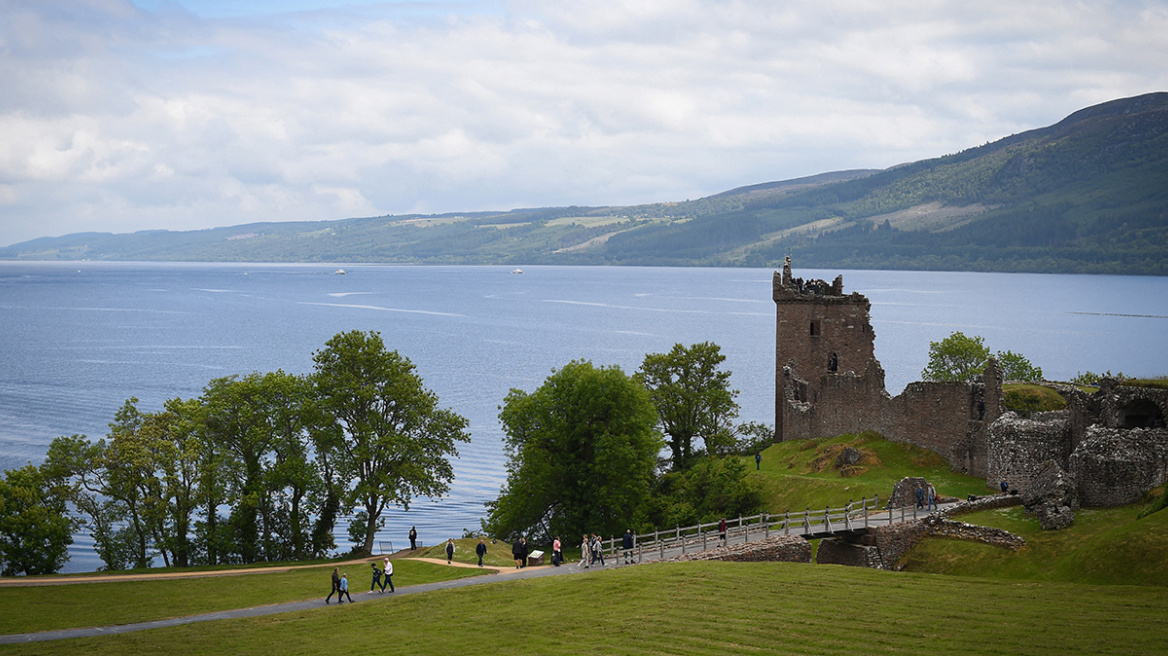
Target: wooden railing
x=851, y=517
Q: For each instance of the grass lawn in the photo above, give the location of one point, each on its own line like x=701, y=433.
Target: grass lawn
x=1103, y=546
x=28, y=609
x=695, y=608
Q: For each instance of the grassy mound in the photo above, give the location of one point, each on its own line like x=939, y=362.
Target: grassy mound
x=498, y=553
x=1027, y=398
x=803, y=473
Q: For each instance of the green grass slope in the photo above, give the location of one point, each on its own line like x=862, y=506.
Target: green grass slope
x=694, y=608
x=802, y=473
x=1103, y=546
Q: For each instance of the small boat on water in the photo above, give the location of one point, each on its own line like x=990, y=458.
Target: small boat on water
x=339, y=272
x=517, y=271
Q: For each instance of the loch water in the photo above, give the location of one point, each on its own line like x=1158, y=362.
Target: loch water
x=79, y=338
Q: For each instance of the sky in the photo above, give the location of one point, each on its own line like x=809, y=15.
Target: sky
x=120, y=115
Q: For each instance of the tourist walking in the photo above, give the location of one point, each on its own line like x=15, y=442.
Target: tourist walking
x=1005, y=488
x=388, y=573
x=376, y=579
x=932, y=494
x=920, y=497
x=336, y=586
x=627, y=545
x=585, y=551
x=449, y=550
x=344, y=589
x=597, y=549
x=413, y=538
x=722, y=530
x=557, y=552
x=758, y=459
x=481, y=550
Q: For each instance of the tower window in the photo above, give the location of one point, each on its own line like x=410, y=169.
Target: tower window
x=815, y=328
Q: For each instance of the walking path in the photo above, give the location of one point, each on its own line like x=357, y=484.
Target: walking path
x=656, y=552
x=496, y=574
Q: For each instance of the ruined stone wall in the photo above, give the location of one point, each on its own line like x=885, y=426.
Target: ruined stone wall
x=778, y=548
x=834, y=551
x=844, y=403
x=1018, y=446
x=941, y=417
x=818, y=330
x=1115, y=467
x=896, y=540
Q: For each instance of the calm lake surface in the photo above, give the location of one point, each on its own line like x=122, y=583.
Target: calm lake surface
x=78, y=339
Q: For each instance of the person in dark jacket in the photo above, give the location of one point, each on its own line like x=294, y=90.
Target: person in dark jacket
x=376, y=579
x=481, y=550
x=519, y=552
x=627, y=545
x=336, y=586
x=413, y=538
x=449, y=550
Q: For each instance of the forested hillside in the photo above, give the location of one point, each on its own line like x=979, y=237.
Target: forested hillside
x=1086, y=195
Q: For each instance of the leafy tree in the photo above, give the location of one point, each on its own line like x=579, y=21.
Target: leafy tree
x=35, y=527
x=956, y=357
x=693, y=398
x=258, y=423
x=712, y=488
x=582, y=451
x=388, y=435
x=1017, y=367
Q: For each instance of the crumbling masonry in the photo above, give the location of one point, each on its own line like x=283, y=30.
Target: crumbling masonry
x=828, y=382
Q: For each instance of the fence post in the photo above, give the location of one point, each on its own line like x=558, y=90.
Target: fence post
x=766, y=526
x=787, y=522
x=865, y=502
x=807, y=520
x=702, y=534
x=848, y=518
x=827, y=519
x=680, y=540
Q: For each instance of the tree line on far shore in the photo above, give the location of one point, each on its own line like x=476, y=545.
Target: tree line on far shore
x=260, y=467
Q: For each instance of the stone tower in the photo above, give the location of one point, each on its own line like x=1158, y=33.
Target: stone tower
x=818, y=332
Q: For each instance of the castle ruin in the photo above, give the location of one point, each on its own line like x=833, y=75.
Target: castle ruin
x=828, y=382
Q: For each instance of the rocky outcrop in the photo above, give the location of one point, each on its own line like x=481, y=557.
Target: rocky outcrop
x=1052, y=496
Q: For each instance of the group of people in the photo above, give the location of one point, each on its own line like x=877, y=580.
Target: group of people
x=927, y=494
x=382, y=576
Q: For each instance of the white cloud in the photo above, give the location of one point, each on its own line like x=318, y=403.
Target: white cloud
x=193, y=114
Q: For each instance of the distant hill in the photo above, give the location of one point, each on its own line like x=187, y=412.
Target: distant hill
x=1086, y=195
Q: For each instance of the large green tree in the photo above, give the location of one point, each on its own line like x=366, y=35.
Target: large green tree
x=257, y=425
x=389, y=442
x=582, y=452
x=958, y=357
x=35, y=527
x=693, y=398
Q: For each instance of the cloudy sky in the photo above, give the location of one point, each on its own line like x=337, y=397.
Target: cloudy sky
x=120, y=115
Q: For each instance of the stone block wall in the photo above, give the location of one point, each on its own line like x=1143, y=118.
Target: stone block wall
x=1018, y=446
x=834, y=551
x=941, y=417
x=1115, y=467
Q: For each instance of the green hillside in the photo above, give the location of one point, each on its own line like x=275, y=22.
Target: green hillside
x=1086, y=195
